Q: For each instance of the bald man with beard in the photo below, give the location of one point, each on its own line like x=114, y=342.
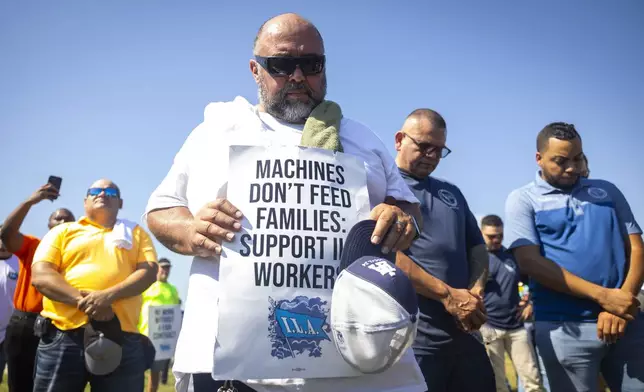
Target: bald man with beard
x=189, y=212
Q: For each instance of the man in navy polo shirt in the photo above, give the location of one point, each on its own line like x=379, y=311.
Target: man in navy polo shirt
x=578, y=240
x=447, y=265
x=504, y=330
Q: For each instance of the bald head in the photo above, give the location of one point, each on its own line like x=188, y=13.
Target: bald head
x=425, y=118
x=285, y=26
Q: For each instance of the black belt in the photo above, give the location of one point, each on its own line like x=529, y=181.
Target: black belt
x=24, y=315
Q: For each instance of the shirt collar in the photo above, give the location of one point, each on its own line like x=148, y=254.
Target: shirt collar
x=406, y=174
x=86, y=221
x=545, y=188
x=500, y=252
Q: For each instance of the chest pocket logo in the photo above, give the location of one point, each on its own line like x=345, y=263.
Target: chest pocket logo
x=13, y=275
x=448, y=198
x=597, y=193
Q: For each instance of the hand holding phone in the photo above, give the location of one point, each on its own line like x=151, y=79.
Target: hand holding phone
x=56, y=182
x=47, y=191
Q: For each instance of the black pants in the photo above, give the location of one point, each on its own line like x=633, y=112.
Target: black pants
x=203, y=382
x=20, y=345
x=164, y=373
x=461, y=365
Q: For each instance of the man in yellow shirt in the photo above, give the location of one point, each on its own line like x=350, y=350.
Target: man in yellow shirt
x=92, y=272
x=159, y=293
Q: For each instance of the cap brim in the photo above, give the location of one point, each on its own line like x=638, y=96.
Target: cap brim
x=358, y=244
x=103, y=356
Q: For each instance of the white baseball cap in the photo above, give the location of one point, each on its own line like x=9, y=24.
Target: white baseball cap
x=374, y=307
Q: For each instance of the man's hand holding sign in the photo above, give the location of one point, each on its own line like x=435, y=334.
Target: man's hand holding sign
x=217, y=221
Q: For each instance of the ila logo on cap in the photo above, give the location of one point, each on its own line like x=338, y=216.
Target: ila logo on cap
x=383, y=267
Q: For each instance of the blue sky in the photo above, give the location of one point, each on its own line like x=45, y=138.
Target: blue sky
x=112, y=89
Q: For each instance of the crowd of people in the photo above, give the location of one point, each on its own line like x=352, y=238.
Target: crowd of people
x=82, y=291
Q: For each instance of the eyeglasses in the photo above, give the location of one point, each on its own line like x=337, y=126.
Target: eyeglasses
x=428, y=148
x=109, y=192
x=311, y=64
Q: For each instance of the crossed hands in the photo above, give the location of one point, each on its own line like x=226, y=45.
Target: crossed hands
x=619, y=307
x=97, y=305
x=467, y=308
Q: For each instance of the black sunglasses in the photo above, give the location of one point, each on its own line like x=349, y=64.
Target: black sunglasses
x=311, y=64
x=428, y=148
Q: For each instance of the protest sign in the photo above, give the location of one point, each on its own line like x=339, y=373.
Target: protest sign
x=164, y=323
x=277, y=275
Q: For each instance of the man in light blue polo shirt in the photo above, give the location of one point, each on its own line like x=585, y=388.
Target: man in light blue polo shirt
x=447, y=264
x=578, y=240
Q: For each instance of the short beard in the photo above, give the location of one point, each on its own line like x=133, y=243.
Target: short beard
x=556, y=183
x=294, y=112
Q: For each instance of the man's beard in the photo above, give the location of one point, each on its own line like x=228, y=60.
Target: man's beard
x=295, y=112
x=557, y=183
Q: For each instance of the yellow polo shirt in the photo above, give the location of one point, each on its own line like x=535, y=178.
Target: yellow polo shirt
x=88, y=261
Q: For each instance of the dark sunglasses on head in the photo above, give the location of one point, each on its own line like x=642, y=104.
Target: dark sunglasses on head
x=311, y=64
x=109, y=192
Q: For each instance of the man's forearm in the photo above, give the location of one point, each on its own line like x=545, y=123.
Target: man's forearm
x=53, y=286
x=551, y=275
x=10, y=232
x=479, y=262
x=425, y=284
x=635, y=275
x=171, y=227
x=136, y=283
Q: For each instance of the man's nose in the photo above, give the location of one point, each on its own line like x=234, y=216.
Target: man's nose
x=297, y=75
x=574, y=168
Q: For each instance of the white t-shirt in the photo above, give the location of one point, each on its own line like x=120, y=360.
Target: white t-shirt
x=199, y=175
x=8, y=276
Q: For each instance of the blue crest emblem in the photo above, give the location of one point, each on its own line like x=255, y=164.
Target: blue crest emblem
x=298, y=325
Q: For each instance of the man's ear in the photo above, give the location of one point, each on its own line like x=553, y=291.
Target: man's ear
x=398, y=137
x=254, y=69
x=120, y=204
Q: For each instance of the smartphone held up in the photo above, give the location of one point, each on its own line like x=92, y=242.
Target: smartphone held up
x=56, y=182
